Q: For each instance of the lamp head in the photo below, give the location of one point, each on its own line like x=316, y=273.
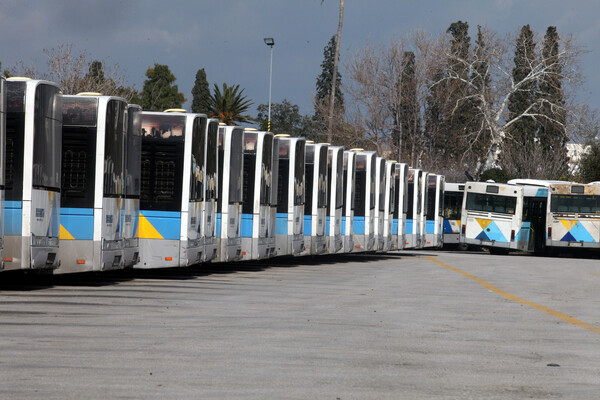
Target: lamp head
x=269, y=41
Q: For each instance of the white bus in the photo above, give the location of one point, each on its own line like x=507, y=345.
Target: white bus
x=230, y=193
x=434, y=211
x=364, y=198
x=290, y=196
x=390, y=206
x=2, y=161
x=93, y=184
x=335, y=198
x=257, y=186
x=315, y=209
x=453, y=199
x=380, y=185
x=211, y=181
x=172, y=189
x=414, y=209
x=401, y=202
x=348, y=200
x=133, y=185
x=492, y=217
x=573, y=216
x=33, y=174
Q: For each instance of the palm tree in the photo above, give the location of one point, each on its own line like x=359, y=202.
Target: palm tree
x=229, y=105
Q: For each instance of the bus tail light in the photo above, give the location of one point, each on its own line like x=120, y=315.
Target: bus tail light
x=80, y=261
x=464, y=229
x=512, y=235
x=168, y=258
x=549, y=232
x=8, y=259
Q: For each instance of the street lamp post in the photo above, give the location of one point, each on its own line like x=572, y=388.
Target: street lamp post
x=270, y=42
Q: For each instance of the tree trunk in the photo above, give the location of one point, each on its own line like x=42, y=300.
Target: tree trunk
x=334, y=78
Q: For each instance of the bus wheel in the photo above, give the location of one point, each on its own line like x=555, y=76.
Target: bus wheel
x=463, y=247
x=498, y=251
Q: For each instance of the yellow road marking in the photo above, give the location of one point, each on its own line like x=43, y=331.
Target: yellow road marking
x=539, y=307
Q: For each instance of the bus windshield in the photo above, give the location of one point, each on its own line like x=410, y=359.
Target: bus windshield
x=322, y=178
x=452, y=204
x=47, y=137
x=236, y=166
x=134, y=151
x=266, y=167
x=211, y=160
x=197, y=162
x=299, y=174
x=113, y=148
x=568, y=203
x=491, y=203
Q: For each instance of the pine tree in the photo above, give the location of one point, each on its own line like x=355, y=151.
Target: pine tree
x=410, y=124
x=457, y=114
x=160, y=92
x=324, y=81
x=552, y=135
x=521, y=134
x=480, y=90
x=201, y=93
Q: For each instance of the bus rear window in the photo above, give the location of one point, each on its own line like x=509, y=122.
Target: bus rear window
x=491, y=203
x=582, y=204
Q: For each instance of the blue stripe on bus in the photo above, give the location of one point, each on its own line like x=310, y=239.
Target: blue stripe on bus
x=343, y=226
x=359, y=225
x=307, y=225
x=76, y=211
x=542, y=192
x=13, y=218
x=327, y=226
x=409, y=226
x=281, y=224
x=79, y=222
x=447, y=227
x=395, y=226
x=166, y=223
x=218, y=234
x=429, y=226
x=247, y=222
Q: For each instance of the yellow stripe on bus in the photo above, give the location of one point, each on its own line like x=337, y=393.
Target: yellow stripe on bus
x=146, y=230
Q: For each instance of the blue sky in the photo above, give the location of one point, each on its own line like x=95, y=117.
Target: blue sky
x=226, y=37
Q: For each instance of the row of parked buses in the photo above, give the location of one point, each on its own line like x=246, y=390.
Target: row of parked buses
x=91, y=183
x=535, y=216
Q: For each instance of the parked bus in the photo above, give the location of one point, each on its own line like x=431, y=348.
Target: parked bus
x=573, y=219
x=133, y=185
x=94, y=139
x=453, y=199
x=492, y=217
x=290, y=196
x=230, y=193
x=33, y=174
x=172, y=189
x=211, y=179
x=434, y=211
x=390, y=206
x=2, y=161
x=380, y=183
x=315, y=209
x=272, y=222
x=401, y=200
x=364, y=198
x=256, y=196
x=348, y=200
x=413, y=210
x=335, y=199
